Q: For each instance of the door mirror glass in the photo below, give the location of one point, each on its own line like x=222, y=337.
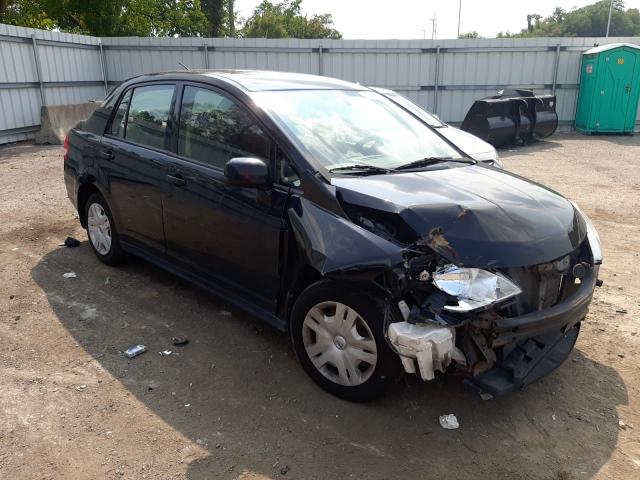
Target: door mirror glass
x=247, y=172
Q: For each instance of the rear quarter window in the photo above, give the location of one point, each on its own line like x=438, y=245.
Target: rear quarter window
x=119, y=122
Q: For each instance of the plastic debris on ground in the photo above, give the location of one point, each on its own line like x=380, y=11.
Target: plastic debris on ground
x=70, y=275
x=135, y=351
x=165, y=353
x=224, y=313
x=485, y=396
x=449, y=422
x=70, y=242
x=623, y=426
x=179, y=341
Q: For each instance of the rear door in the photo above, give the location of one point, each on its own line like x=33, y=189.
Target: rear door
x=134, y=162
x=228, y=234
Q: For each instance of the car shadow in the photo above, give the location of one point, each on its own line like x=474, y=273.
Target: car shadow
x=257, y=414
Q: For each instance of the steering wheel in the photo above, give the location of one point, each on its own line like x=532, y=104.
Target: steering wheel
x=368, y=143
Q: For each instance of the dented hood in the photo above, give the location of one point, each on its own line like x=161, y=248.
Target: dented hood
x=473, y=215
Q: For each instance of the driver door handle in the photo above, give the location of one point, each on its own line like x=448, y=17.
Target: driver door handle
x=176, y=179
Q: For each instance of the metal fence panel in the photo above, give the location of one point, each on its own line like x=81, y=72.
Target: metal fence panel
x=66, y=70
x=444, y=76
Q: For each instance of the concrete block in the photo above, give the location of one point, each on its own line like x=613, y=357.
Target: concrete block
x=57, y=120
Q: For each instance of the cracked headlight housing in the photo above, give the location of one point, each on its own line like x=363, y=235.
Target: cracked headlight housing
x=592, y=236
x=473, y=287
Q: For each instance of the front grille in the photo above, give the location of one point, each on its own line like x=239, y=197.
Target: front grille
x=544, y=285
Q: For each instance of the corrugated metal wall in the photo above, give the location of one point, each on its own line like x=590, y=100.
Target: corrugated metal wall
x=445, y=76
x=67, y=70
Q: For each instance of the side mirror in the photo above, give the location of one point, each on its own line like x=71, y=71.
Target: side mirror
x=247, y=172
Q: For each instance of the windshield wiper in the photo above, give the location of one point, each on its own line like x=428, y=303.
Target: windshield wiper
x=361, y=168
x=425, y=162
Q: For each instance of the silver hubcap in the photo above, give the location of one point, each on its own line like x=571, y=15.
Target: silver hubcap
x=99, y=229
x=339, y=343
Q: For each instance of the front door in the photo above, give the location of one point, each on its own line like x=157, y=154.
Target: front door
x=617, y=91
x=133, y=160
x=228, y=234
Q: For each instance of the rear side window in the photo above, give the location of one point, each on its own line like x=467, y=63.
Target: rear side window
x=148, y=114
x=213, y=129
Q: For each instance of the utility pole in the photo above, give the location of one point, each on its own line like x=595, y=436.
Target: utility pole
x=459, y=15
x=434, y=26
x=424, y=34
x=609, y=20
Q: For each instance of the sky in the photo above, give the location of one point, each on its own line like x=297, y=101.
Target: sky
x=403, y=19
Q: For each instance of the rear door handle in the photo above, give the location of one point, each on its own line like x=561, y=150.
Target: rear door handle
x=107, y=154
x=176, y=179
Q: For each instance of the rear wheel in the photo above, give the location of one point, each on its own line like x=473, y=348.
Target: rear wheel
x=103, y=236
x=338, y=336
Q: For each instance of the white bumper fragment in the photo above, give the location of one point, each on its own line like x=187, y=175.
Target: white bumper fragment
x=430, y=347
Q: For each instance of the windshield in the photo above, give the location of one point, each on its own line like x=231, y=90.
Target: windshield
x=418, y=111
x=349, y=127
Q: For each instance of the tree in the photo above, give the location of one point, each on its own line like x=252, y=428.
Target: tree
x=26, y=13
x=589, y=21
x=214, y=10
x=285, y=20
x=473, y=34
x=109, y=17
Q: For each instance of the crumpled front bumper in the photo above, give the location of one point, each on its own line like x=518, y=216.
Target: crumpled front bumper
x=566, y=313
x=544, y=339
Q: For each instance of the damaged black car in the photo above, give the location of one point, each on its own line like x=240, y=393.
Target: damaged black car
x=336, y=215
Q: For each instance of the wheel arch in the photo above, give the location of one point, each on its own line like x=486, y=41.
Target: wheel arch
x=85, y=190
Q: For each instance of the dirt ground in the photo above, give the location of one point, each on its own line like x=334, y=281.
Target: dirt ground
x=235, y=404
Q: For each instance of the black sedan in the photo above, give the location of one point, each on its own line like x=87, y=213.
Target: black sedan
x=341, y=217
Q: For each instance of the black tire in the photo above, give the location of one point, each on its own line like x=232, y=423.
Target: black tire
x=370, y=310
x=115, y=255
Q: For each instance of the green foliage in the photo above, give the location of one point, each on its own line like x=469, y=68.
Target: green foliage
x=589, y=21
x=26, y=13
x=473, y=34
x=285, y=20
x=216, y=13
x=108, y=17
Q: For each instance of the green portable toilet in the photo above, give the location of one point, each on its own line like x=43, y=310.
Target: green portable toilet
x=609, y=89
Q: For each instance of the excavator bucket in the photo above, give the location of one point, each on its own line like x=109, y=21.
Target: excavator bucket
x=513, y=117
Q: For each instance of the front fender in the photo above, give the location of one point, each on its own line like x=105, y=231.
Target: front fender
x=334, y=245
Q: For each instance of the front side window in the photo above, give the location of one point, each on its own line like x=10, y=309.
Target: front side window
x=214, y=129
x=352, y=127
x=148, y=115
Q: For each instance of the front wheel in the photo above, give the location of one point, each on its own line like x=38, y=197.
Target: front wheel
x=338, y=335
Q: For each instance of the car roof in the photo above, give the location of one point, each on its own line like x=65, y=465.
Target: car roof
x=261, y=80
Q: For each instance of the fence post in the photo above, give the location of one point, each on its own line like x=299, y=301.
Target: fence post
x=103, y=67
x=555, y=69
x=206, y=56
x=36, y=57
x=437, y=80
x=320, y=65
